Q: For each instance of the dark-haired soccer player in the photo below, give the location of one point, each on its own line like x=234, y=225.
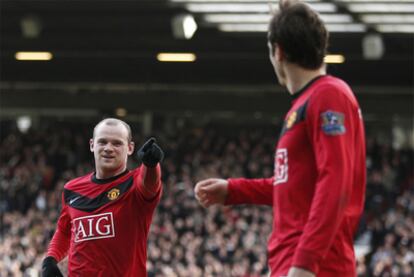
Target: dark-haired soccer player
x=317, y=191
x=106, y=215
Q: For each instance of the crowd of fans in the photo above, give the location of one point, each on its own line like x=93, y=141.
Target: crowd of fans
x=186, y=239
x=388, y=220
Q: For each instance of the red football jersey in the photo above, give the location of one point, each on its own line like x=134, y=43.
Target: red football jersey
x=104, y=224
x=318, y=188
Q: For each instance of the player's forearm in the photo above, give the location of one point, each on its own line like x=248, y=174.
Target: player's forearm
x=326, y=215
x=59, y=245
x=151, y=181
x=250, y=191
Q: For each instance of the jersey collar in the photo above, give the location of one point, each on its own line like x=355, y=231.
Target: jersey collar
x=303, y=89
x=107, y=180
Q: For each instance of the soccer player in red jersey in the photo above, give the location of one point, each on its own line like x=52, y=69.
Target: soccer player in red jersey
x=106, y=215
x=318, y=187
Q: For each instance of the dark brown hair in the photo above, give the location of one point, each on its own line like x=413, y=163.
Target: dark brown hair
x=300, y=33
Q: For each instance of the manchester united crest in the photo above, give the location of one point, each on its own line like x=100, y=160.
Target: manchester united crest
x=291, y=119
x=113, y=194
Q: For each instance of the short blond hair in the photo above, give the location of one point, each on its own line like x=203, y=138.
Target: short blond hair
x=113, y=122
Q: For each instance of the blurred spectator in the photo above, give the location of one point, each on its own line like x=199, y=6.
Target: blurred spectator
x=389, y=214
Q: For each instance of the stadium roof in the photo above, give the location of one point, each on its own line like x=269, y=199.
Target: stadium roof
x=118, y=41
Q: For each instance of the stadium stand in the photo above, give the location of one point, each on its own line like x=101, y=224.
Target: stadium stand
x=187, y=240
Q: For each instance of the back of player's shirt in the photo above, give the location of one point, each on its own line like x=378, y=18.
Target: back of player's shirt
x=108, y=221
x=318, y=187
x=319, y=182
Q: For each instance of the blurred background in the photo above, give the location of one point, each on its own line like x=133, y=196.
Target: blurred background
x=195, y=74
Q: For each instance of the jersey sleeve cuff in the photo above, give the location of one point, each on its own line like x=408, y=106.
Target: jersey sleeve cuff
x=307, y=260
x=232, y=192
x=51, y=257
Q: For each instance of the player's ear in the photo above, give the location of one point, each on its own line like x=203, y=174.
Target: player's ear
x=279, y=53
x=91, y=144
x=131, y=146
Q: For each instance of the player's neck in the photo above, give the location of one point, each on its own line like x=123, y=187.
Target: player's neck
x=105, y=174
x=298, y=77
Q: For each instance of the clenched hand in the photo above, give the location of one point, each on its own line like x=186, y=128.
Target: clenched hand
x=211, y=191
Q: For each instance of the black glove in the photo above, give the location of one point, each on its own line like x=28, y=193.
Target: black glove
x=150, y=153
x=50, y=268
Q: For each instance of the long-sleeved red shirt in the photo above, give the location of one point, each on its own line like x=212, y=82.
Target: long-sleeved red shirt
x=318, y=188
x=104, y=223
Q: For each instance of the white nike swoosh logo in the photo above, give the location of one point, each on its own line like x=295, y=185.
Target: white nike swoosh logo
x=73, y=200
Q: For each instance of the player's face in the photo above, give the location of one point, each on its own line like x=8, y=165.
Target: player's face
x=275, y=57
x=111, y=149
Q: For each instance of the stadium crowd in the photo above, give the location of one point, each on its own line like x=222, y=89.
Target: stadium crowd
x=186, y=239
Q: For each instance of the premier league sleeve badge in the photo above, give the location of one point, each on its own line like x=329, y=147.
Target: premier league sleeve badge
x=333, y=123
